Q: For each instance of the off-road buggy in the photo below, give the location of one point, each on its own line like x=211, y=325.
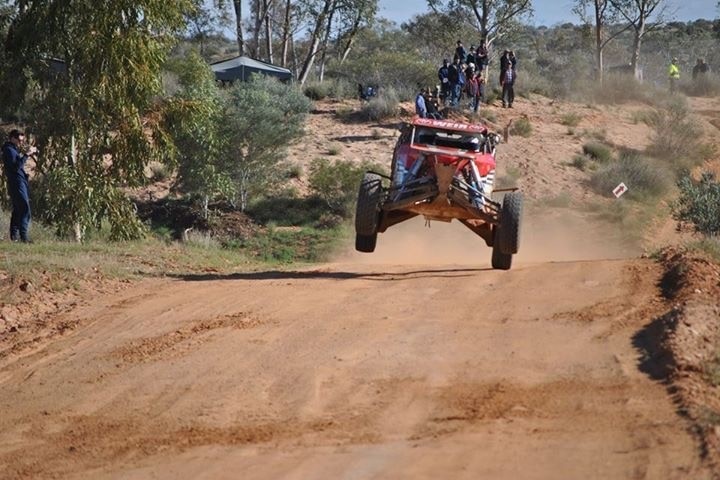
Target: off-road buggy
x=443, y=170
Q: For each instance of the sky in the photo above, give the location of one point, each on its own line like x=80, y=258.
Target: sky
x=550, y=12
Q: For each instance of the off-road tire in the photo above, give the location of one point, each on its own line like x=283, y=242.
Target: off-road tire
x=365, y=243
x=368, y=206
x=507, y=239
x=501, y=261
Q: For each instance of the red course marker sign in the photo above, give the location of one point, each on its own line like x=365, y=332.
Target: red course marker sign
x=619, y=190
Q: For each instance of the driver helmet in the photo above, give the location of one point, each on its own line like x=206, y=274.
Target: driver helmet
x=474, y=144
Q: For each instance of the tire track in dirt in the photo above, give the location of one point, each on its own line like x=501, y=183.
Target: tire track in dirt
x=421, y=371
x=180, y=341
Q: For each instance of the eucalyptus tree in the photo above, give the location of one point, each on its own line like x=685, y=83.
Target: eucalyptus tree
x=92, y=73
x=493, y=19
x=261, y=119
x=642, y=16
x=194, y=118
x=602, y=15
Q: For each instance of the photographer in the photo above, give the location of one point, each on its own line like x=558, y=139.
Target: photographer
x=17, y=184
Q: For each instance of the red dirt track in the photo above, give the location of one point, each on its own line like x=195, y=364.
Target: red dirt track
x=353, y=371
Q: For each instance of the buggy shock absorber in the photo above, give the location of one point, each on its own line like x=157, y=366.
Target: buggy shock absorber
x=410, y=175
x=478, y=183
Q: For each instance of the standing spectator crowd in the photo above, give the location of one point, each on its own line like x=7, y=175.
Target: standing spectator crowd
x=465, y=80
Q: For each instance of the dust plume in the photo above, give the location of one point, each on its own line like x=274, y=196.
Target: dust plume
x=554, y=236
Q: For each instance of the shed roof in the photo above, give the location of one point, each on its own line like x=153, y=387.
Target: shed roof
x=241, y=68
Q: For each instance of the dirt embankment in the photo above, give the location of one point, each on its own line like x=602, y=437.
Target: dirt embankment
x=687, y=350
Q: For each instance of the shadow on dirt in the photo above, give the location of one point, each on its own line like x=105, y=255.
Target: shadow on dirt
x=319, y=275
x=655, y=359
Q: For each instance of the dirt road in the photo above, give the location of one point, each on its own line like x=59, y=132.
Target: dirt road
x=353, y=371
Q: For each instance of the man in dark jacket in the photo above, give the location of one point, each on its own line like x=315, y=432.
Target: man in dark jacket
x=444, y=77
x=17, y=185
x=700, y=69
x=460, y=52
x=481, y=56
x=507, y=61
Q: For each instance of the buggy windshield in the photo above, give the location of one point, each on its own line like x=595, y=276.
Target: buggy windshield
x=447, y=138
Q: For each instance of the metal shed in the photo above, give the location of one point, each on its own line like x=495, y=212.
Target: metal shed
x=241, y=68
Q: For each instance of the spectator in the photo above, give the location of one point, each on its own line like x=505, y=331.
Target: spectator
x=471, y=55
x=453, y=80
x=674, y=74
x=507, y=61
x=420, y=107
x=473, y=90
x=444, y=77
x=432, y=107
x=366, y=93
x=481, y=56
x=460, y=52
x=459, y=87
x=700, y=69
x=508, y=88
x=17, y=185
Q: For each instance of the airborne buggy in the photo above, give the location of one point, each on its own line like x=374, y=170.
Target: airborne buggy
x=443, y=170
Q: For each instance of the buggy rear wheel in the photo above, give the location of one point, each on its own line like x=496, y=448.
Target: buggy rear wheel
x=367, y=213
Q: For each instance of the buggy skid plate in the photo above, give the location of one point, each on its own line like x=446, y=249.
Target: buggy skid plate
x=440, y=200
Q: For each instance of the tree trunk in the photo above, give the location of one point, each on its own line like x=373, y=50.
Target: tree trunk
x=256, y=29
x=637, y=44
x=77, y=228
x=286, y=34
x=268, y=31
x=238, y=27
x=599, y=41
x=326, y=40
x=294, y=57
x=351, y=39
x=314, y=42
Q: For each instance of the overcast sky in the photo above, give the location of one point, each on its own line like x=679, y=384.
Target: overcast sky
x=550, y=12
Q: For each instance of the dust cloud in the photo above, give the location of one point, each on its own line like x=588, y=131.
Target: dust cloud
x=553, y=236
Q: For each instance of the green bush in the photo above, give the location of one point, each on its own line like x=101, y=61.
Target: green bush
x=283, y=245
x=334, y=88
x=159, y=172
x=699, y=203
x=580, y=162
x=317, y=90
x=334, y=149
x=707, y=85
x=598, y=152
x=288, y=210
x=521, y=127
x=382, y=107
x=534, y=82
x=262, y=117
x=618, y=89
x=336, y=183
x=675, y=136
x=492, y=95
x=642, y=176
x=571, y=119
x=710, y=246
